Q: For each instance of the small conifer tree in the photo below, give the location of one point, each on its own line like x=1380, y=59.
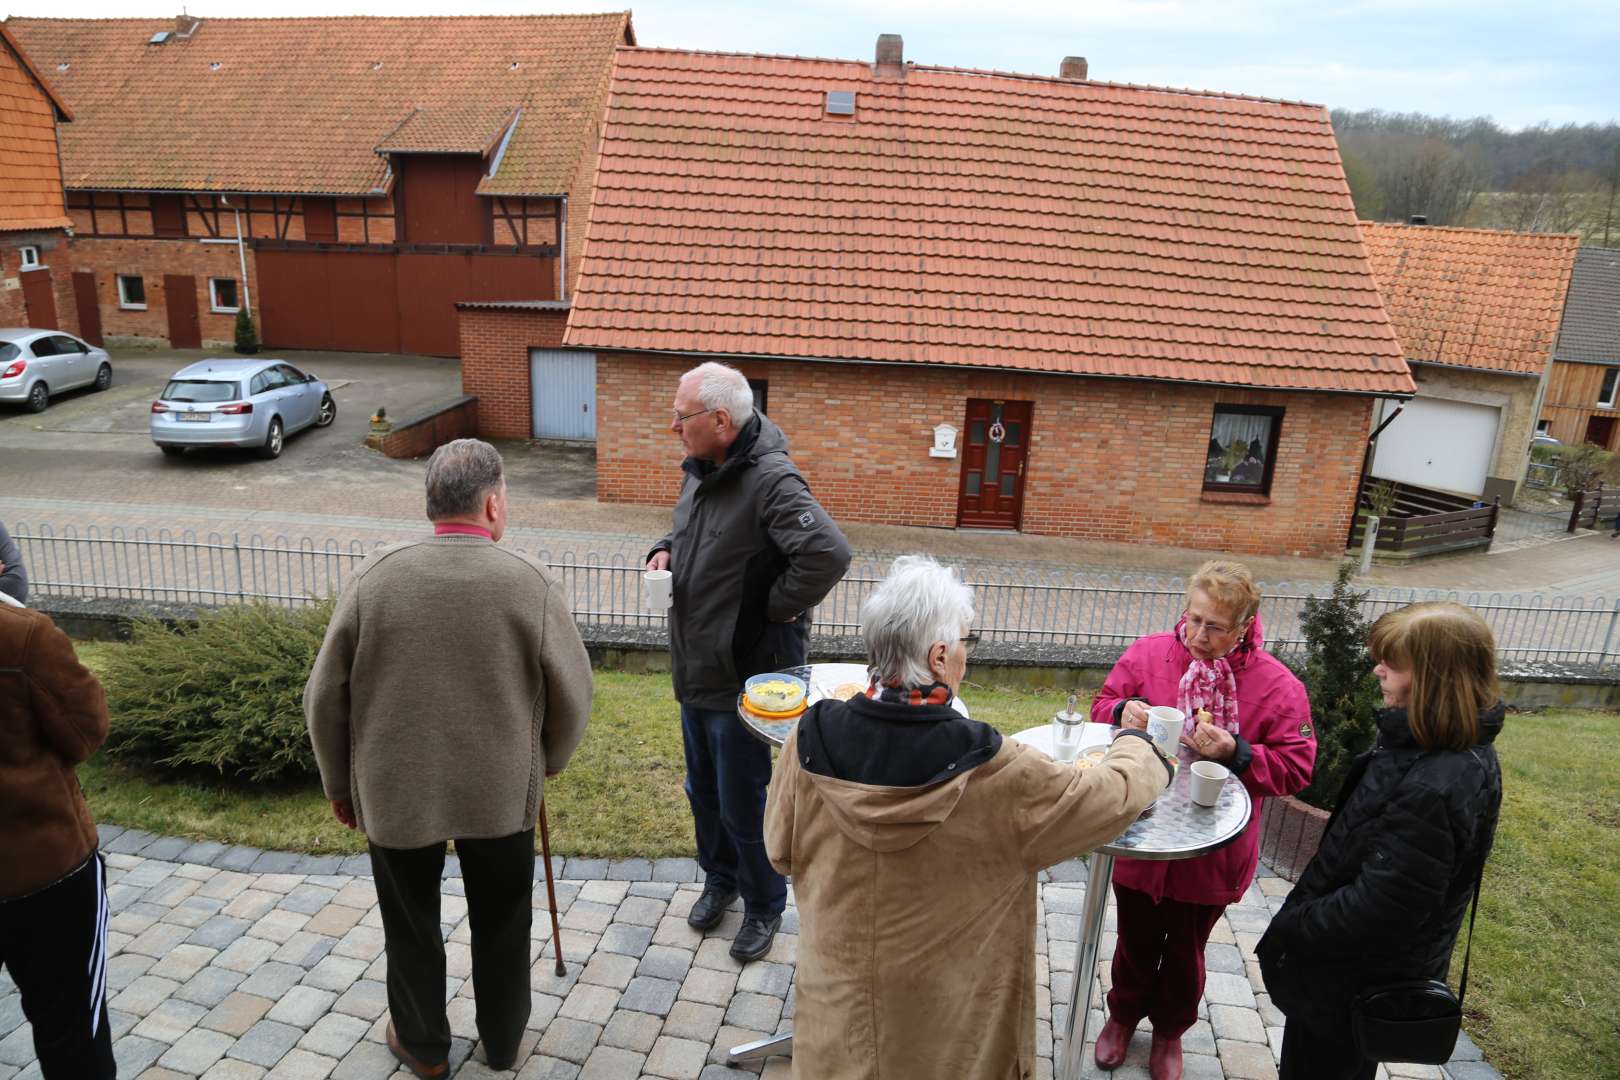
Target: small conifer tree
x=1337, y=673
x=247, y=337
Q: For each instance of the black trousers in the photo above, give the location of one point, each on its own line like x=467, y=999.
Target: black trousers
x=1311, y=1055
x=499, y=875
x=54, y=943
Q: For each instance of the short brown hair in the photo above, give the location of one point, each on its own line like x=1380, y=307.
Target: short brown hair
x=1230, y=585
x=1451, y=654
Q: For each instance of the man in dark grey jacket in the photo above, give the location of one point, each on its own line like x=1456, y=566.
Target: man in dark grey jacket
x=751, y=552
x=13, y=578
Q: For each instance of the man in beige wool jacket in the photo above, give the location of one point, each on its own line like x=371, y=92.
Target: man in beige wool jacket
x=451, y=683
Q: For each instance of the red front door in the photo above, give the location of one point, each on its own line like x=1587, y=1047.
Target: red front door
x=39, y=299
x=1600, y=430
x=994, y=448
x=84, y=292
x=180, y=293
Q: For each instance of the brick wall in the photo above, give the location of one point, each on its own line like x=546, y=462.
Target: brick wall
x=495, y=365
x=420, y=435
x=53, y=255
x=13, y=312
x=1110, y=459
x=152, y=259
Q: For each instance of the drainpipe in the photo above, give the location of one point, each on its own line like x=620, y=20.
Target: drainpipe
x=562, y=252
x=241, y=255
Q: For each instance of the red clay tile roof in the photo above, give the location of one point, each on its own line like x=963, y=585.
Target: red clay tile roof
x=300, y=105
x=1473, y=297
x=30, y=172
x=978, y=219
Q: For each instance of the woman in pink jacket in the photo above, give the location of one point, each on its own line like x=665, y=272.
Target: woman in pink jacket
x=1259, y=726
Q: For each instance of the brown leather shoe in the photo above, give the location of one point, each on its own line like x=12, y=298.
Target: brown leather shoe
x=422, y=1069
x=1164, y=1060
x=1111, y=1043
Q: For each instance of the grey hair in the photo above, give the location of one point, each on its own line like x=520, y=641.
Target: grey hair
x=724, y=387
x=459, y=475
x=918, y=603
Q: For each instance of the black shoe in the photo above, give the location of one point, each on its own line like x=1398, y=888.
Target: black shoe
x=710, y=907
x=755, y=937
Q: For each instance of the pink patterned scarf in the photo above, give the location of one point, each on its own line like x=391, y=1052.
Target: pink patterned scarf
x=1209, y=685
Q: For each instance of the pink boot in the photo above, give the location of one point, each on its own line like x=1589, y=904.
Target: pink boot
x=1111, y=1044
x=1164, y=1060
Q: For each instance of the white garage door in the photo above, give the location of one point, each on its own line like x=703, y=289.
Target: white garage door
x=1438, y=444
x=563, y=387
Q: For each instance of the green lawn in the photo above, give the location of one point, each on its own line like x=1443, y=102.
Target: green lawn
x=1544, y=989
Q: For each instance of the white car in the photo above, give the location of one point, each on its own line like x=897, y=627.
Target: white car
x=34, y=364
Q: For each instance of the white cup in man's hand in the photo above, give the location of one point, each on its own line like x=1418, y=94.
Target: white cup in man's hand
x=658, y=590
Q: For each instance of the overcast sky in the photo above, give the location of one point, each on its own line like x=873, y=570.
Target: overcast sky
x=1521, y=62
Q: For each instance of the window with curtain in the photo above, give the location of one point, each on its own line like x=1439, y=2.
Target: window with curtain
x=1242, y=448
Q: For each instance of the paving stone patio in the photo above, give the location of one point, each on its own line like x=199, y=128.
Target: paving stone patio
x=228, y=963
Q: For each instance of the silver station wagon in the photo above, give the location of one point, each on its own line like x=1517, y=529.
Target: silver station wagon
x=247, y=403
x=35, y=364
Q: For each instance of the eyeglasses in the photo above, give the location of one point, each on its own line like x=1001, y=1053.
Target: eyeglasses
x=969, y=643
x=1196, y=626
x=679, y=419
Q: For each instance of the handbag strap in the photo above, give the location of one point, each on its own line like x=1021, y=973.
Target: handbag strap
x=1473, y=910
x=1462, y=987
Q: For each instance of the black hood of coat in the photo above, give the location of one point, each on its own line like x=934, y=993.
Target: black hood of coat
x=1395, y=731
x=890, y=744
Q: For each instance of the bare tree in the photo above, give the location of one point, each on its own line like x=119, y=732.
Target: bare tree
x=1430, y=177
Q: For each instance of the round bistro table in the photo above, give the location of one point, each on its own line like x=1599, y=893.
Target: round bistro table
x=819, y=678
x=1174, y=828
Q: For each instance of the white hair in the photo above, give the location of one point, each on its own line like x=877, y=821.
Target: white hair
x=918, y=603
x=723, y=387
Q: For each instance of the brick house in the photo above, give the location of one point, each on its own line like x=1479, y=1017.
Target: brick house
x=971, y=299
x=33, y=212
x=1583, y=393
x=1476, y=312
x=348, y=179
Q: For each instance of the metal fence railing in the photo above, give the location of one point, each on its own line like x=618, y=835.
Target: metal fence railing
x=1025, y=606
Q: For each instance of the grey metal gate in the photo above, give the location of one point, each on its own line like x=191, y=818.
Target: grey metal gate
x=563, y=387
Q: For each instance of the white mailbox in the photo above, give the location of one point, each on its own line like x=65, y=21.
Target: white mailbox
x=944, y=441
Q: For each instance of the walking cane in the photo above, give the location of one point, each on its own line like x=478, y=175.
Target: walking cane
x=551, y=890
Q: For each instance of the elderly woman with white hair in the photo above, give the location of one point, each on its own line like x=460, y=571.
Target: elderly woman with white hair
x=913, y=836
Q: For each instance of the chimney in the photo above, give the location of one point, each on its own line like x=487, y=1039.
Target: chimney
x=891, y=59
x=1419, y=219
x=1073, y=67
x=186, y=25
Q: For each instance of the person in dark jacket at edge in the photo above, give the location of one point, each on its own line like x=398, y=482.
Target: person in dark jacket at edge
x=13, y=577
x=750, y=553
x=53, y=884
x=1384, y=896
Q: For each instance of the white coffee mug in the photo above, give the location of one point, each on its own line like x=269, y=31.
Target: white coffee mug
x=658, y=590
x=1208, y=777
x=1164, y=726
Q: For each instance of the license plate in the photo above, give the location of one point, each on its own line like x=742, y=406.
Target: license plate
x=196, y=416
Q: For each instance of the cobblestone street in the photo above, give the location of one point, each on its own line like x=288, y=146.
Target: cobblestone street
x=231, y=963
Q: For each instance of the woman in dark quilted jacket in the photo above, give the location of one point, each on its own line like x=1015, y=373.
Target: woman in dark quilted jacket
x=1384, y=897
